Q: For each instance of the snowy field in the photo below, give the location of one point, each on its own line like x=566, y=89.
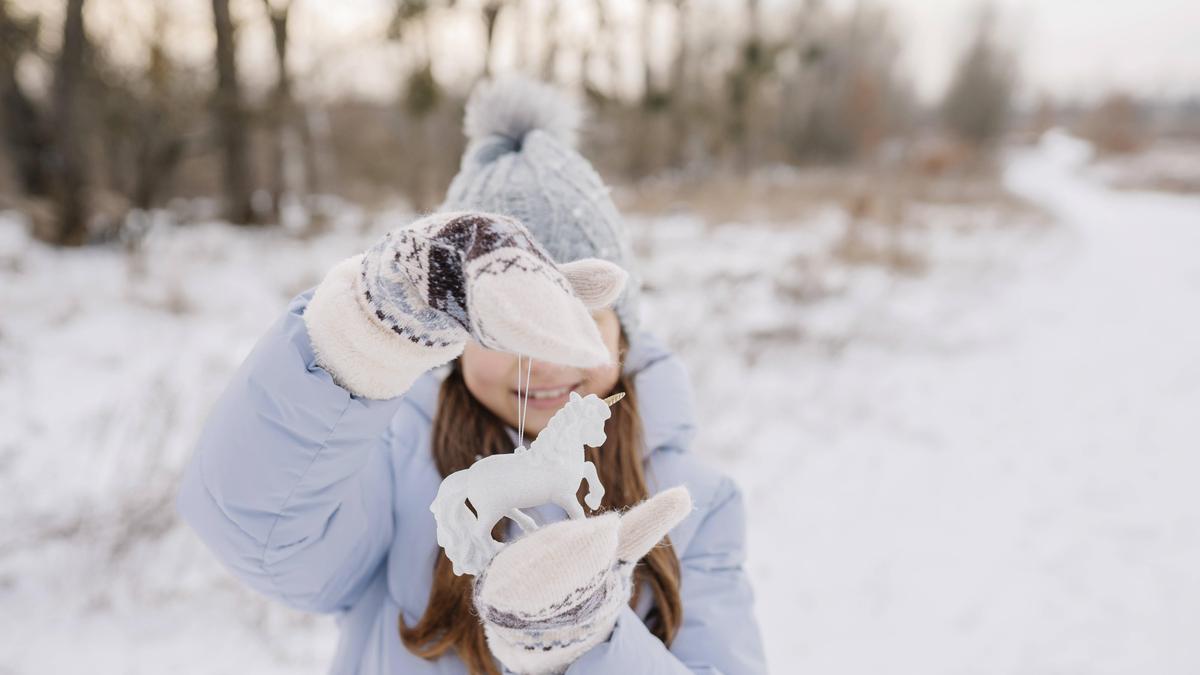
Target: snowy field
x=984, y=467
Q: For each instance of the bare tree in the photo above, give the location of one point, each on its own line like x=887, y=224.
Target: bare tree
x=681, y=90
x=840, y=94
x=289, y=120
x=160, y=146
x=25, y=133
x=425, y=126
x=653, y=97
x=230, y=119
x=70, y=188
x=978, y=102
x=1116, y=124
x=282, y=105
x=140, y=121
x=549, y=67
x=744, y=77
x=602, y=55
x=491, y=11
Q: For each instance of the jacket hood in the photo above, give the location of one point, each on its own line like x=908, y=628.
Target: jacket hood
x=665, y=398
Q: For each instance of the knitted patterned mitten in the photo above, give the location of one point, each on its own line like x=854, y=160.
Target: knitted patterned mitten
x=409, y=303
x=553, y=594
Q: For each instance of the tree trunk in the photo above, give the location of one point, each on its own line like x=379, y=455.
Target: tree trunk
x=601, y=56
x=230, y=121
x=647, y=35
x=25, y=134
x=162, y=144
x=491, y=10
x=743, y=87
x=680, y=100
x=71, y=174
x=281, y=104
x=308, y=143
x=550, y=55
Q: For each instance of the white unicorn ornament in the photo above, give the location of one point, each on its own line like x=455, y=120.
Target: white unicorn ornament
x=500, y=486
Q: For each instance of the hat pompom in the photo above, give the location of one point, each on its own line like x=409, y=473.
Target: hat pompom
x=514, y=105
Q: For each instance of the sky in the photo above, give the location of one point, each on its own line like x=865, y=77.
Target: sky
x=1070, y=49
x=1077, y=49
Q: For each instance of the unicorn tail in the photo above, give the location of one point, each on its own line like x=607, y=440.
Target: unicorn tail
x=455, y=525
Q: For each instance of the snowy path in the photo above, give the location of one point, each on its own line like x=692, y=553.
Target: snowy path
x=1023, y=503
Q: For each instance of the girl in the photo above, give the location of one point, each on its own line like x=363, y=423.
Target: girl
x=314, y=474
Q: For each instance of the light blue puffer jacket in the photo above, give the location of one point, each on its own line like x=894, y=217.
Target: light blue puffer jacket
x=320, y=499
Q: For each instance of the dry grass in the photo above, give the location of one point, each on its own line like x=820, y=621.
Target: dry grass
x=1173, y=184
x=884, y=208
x=788, y=195
x=862, y=244
x=1168, y=165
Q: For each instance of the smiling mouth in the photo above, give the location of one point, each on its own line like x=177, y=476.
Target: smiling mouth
x=549, y=393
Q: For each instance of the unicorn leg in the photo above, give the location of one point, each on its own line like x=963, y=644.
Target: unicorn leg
x=595, y=487
x=524, y=522
x=487, y=521
x=570, y=503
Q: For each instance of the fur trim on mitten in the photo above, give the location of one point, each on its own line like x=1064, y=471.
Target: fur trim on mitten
x=360, y=354
x=554, y=594
x=411, y=301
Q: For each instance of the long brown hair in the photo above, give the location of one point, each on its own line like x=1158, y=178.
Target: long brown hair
x=462, y=428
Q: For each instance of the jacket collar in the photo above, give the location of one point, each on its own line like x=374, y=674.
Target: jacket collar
x=664, y=391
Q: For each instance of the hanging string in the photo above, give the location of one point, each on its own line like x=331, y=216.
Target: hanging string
x=522, y=410
x=528, y=386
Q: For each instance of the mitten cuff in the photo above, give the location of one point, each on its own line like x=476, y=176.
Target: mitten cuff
x=362, y=355
x=547, y=645
x=542, y=656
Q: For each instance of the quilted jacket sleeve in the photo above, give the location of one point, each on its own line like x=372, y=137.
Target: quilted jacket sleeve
x=290, y=484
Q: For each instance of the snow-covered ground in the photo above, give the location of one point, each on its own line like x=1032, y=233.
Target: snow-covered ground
x=1004, y=479
x=984, y=467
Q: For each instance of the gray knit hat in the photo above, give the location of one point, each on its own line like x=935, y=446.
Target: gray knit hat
x=521, y=162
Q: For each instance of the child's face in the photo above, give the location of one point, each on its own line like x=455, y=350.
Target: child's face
x=491, y=377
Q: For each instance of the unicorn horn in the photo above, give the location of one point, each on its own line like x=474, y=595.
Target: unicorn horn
x=612, y=400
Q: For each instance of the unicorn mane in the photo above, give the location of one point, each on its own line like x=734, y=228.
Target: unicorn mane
x=543, y=446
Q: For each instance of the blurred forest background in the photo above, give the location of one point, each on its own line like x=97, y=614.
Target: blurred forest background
x=111, y=109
